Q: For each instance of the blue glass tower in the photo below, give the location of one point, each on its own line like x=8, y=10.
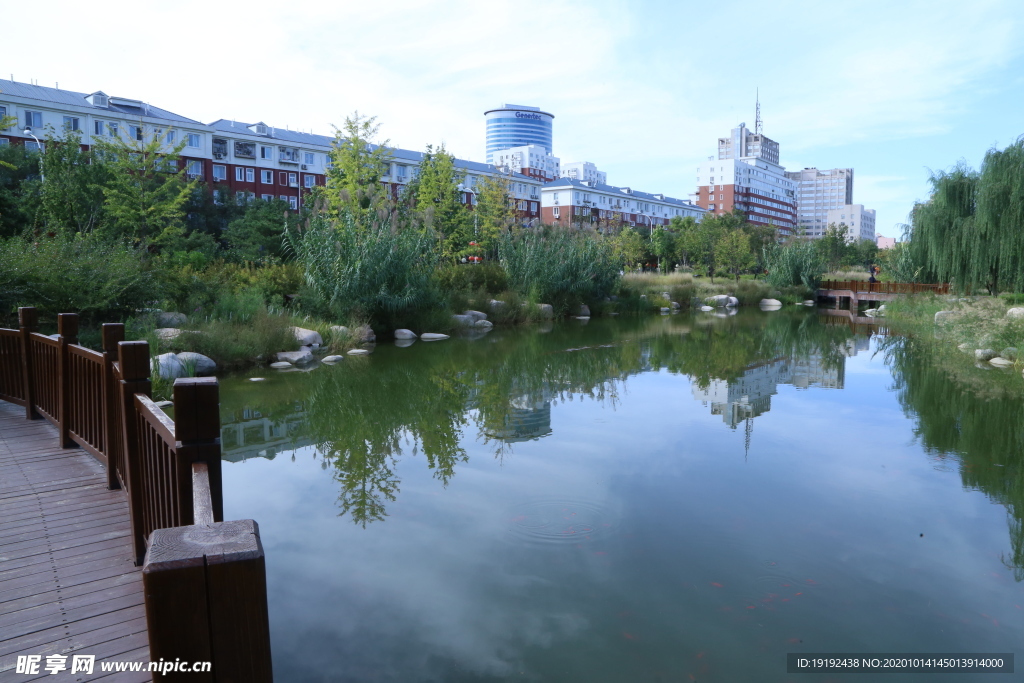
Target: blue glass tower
x=515, y=126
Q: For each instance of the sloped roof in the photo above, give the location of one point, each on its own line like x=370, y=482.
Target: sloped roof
x=613, y=189
x=70, y=97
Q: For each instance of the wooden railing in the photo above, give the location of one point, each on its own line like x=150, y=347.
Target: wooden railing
x=204, y=579
x=884, y=287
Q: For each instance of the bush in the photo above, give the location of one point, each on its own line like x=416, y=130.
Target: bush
x=470, y=277
x=795, y=263
x=100, y=279
x=559, y=266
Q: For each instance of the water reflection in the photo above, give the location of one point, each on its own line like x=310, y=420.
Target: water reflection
x=367, y=413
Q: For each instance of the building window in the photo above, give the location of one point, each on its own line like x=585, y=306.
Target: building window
x=32, y=146
x=71, y=123
x=250, y=175
x=266, y=152
x=33, y=119
x=135, y=132
x=289, y=154
x=112, y=127
x=533, y=207
x=99, y=128
x=267, y=197
x=267, y=177
x=193, y=140
x=170, y=137
x=220, y=172
x=310, y=181
x=216, y=197
x=239, y=174
x=4, y=142
x=308, y=156
x=293, y=202
x=284, y=197
x=555, y=212
x=293, y=179
x=195, y=169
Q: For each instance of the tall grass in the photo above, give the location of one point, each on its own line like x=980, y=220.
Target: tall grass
x=796, y=263
x=559, y=266
x=376, y=272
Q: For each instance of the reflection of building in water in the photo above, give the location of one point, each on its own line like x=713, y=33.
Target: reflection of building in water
x=750, y=395
x=746, y=397
x=528, y=417
x=247, y=434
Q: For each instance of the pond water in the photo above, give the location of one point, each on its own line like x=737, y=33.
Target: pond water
x=677, y=498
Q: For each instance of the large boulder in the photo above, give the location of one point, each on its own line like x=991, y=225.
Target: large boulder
x=281, y=365
x=941, y=317
x=546, y=311
x=168, y=366
x=364, y=333
x=202, y=366
x=433, y=336
x=984, y=354
x=475, y=315
x=707, y=308
x=462, y=320
x=340, y=331
x=1001, y=362
x=770, y=302
x=717, y=300
x=300, y=357
x=483, y=324
x=332, y=359
x=1015, y=313
x=1010, y=353
x=359, y=352
x=167, y=333
x=583, y=311
x=404, y=334
x=732, y=301
x=307, y=337
x=171, y=319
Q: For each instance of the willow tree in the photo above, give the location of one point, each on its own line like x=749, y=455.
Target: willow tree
x=971, y=230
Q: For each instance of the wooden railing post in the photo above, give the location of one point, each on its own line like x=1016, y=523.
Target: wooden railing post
x=112, y=334
x=28, y=322
x=133, y=361
x=206, y=600
x=197, y=431
x=67, y=330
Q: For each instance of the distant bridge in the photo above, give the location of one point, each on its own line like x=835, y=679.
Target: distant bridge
x=860, y=290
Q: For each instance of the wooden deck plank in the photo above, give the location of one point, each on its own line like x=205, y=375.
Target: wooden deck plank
x=68, y=583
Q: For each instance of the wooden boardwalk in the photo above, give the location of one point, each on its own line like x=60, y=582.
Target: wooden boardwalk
x=67, y=581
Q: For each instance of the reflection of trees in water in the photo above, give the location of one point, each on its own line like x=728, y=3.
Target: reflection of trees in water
x=976, y=416
x=361, y=415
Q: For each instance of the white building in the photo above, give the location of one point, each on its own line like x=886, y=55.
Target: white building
x=817, y=193
x=567, y=202
x=747, y=176
x=584, y=170
x=860, y=221
x=530, y=160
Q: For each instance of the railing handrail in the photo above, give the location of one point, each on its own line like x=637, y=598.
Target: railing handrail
x=101, y=401
x=883, y=287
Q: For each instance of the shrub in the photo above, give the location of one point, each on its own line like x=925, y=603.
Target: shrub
x=490, y=277
x=100, y=279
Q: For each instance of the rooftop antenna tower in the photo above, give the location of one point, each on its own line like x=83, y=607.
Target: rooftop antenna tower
x=757, y=114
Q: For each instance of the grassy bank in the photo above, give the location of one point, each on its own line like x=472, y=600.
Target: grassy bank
x=973, y=327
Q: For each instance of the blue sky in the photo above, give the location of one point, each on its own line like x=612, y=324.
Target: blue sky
x=642, y=89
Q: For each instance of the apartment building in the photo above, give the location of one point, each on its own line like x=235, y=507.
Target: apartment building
x=529, y=160
x=238, y=160
x=746, y=175
x=584, y=170
x=569, y=202
x=817, y=193
x=859, y=221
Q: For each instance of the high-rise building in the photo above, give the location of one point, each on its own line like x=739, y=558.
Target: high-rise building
x=514, y=125
x=584, y=170
x=859, y=221
x=747, y=176
x=817, y=193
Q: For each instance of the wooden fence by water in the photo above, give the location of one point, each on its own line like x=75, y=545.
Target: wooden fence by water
x=204, y=580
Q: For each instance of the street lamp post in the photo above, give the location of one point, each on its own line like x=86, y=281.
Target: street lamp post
x=28, y=131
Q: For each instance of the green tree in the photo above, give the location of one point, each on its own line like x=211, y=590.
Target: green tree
x=630, y=247
x=832, y=246
x=19, y=189
x=146, y=192
x=494, y=214
x=358, y=162
x=863, y=253
x=258, y=234
x=663, y=244
x=72, y=196
x=436, y=191
x=733, y=253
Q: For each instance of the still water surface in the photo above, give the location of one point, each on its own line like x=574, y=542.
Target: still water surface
x=683, y=498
